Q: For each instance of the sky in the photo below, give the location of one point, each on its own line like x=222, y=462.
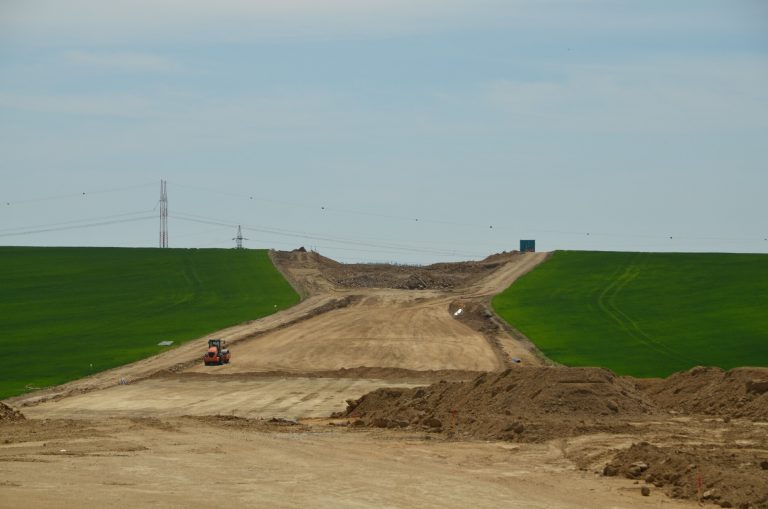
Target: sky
x=413, y=131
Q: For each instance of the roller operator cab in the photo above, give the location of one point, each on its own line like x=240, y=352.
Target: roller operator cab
x=217, y=353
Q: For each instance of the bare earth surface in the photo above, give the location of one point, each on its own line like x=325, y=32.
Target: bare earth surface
x=179, y=462
x=168, y=432
x=262, y=397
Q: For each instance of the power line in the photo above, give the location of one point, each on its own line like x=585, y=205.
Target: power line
x=76, y=221
x=343, y=241
x=377, y=243
x=320, y=237
x=325, y=208
x=79, y=194
x=77, y=227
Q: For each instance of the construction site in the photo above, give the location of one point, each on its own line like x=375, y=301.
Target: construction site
x=386, y=386
x=411, y=254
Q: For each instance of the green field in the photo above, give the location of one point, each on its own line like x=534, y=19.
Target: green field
x=69, y=312
x=644, y=314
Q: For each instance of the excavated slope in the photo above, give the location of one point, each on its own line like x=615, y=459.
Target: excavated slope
x=494, y=403
x=740, y=392
x=510, y=405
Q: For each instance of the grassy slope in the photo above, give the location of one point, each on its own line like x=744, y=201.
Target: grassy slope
x=644, y=314
x=63, y=309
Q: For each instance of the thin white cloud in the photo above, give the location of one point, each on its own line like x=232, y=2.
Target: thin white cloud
x=123, y=61
x=113, y=105
x=122, y=21
x=224, y=20
x=660, y=96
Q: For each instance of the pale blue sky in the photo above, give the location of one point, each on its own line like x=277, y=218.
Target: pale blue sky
x=584, y=125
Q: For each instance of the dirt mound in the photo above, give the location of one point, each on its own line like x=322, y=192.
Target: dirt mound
x=433, y=277
x=303, y=258
x=475, y=314
x=529, y=404
x=740, y=392
x=8, y=414
x=439, y=276
x=274, y=424
x=716, y=475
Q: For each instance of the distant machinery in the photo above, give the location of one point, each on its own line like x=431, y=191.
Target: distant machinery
x=527, y=246
x=217, y=353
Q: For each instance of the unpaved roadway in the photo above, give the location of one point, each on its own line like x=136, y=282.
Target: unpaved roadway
x=258, y=397
x=386, y=329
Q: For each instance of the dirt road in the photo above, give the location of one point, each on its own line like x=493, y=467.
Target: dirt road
x=385, y=329
x=262, y=397
x=388, y=328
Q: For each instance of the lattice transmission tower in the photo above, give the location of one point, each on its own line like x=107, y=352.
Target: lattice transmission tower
x=239, y=239
x=163, y=213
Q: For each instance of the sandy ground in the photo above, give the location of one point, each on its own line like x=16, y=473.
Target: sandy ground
x=197, y=463
x=267, y=397
x=386, y=330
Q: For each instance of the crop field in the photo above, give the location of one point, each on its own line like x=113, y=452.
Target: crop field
x=644, y=314
x=68, y=312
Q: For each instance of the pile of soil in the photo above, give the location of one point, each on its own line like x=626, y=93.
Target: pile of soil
x=711, y=475
x=8, y=414
x=521, y=404
x=492, y=404
x=439, y=276
x=476, y=315
x=738, y=393
x=267, y=425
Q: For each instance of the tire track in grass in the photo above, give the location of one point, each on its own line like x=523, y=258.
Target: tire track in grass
x=616, y=279
x=607, y=303
x=641, y=334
